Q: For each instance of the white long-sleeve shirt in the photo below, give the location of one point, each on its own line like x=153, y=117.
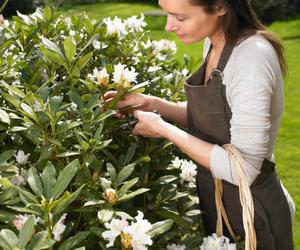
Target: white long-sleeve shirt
x=255, y=94
x=254, y=91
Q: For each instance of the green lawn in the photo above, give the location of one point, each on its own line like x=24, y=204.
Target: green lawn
x=287, y=151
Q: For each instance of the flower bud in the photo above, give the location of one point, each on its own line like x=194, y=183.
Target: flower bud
x=111, y=196
x=126, y=240
x=95, y=177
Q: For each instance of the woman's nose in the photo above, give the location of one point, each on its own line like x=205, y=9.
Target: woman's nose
x=170, y=25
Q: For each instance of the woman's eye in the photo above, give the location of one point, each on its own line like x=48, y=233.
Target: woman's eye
x=180, y=19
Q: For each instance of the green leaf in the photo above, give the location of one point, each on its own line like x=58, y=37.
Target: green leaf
x=160, y=227
x=4, y=117
x=168, y=214
x=73, y=241
x=5, y=156
x=47, y=12
x=6, y=216
x=50, y=45
x=65, y=177
x=6, y=182
x=40, y=241
x=125, y=173
x=77, y=99
x=12, y=99
x=82, y=61
x=106, y=114
x=130, y=153
x=70, y=49
x=26, y=196
x=15, y=90
x=67, y=126
x=26, y=232
x=55, y=102
x=67, y=154
x=54, y=57
x=49, y=179
x=34, y=181
x=8, y=239
x=66, y=202
x=127, y=186
x=112, y=172
x=129, y=196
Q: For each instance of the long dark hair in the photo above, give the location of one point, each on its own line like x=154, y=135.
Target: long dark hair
x=240, y=20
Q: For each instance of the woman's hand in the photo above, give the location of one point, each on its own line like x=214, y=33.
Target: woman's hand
x=142, y=102
x=150, y=124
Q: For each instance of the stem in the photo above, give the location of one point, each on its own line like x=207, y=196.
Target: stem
x=3, y=6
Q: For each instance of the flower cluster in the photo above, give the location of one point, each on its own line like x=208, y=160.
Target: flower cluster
x=57, y=230
x=133, y=236
x=117, y=26
x=214, y=242
x=188, y=169
x=122, y=76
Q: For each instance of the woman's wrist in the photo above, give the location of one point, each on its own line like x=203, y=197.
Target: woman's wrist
x=153, y=103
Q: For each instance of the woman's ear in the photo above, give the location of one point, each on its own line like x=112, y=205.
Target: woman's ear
x=221, y=9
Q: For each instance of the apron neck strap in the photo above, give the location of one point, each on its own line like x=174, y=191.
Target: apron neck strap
x=225, y=55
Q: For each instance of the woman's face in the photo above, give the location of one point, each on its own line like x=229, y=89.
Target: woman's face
x=190, y=22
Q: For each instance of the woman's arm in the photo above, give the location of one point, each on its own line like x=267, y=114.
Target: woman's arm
x=171, y=111
x=151, y=125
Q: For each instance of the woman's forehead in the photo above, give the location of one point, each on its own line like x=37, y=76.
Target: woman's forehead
x=177, y=6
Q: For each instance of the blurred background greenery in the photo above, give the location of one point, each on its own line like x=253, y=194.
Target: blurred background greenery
x=281, y=16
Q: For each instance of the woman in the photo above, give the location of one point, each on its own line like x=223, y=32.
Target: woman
x=235, y=97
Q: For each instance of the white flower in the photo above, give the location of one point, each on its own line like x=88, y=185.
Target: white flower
x=214, y=242
x=96, y=44
x=134, y=24
x=115, y=26
x=115, y=227
x=138, y=232
x=68, y=22
x=59, y=228
x=20, y=220
x=147, y=45
x=188, y=171
x=134, y=236
x=72, y=33
x=21, y=157
x=185, y=72
x=177, y=162
x=122, y=74
x=168, y=77
x=164, y=45
x=154, y=69
x=102, y=76
x=73, y=106
x=175, y=247
x=37, y=107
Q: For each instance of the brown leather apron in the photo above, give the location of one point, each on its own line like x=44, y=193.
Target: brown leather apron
x=209, y=118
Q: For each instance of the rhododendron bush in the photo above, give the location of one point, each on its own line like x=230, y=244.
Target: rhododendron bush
x=71, y=177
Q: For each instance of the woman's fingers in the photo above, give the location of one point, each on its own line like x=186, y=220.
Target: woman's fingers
x=110, y=95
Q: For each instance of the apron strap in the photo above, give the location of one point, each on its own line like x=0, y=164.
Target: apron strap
x=225, y=55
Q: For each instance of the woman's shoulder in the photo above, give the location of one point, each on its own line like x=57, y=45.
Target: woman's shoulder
x=255, y=46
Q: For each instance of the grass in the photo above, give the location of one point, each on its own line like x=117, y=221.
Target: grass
x=287, y=151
